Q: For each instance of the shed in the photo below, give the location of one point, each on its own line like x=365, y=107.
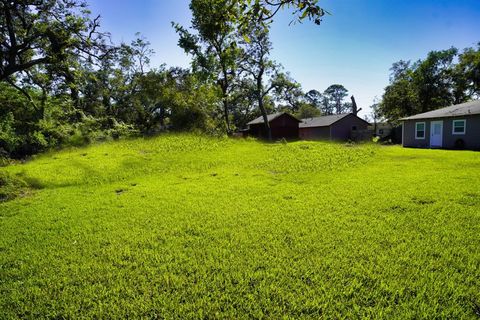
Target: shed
x=334, y=127
x=282, y=125
x=381, y=129
x=454, y=127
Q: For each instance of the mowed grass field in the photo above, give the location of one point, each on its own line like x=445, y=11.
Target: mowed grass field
x=182, y=226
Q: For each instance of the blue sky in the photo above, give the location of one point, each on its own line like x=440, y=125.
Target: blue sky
x=354, y=46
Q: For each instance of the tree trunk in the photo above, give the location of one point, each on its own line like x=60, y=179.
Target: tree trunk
x=224, y=86
x=71, y=84
x=262, y=107
x=265, y=118
x=225, y=114
x=355, y=109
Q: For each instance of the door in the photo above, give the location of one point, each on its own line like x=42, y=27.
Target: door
x=436, y=134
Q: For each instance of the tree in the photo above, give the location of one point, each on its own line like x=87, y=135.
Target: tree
x=49, y=34
x=287, y=92
x=218, y=25
x=354, y=107
x=400, y=98
x=213, y=46
x=336, y=94
x=244, y=102
x=264, y=10
x=375, y=114
x=435, y=82
x=307, y=110
x=256, y=64
x=315, y=98
x=467, y=75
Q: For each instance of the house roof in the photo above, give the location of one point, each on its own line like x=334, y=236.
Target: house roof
x=458, y=110
x=270, y=118
x=324, y=121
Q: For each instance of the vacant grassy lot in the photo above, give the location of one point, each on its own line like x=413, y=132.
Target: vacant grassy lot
x=193, y=227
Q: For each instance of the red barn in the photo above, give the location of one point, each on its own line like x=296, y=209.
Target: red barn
x=282, y=124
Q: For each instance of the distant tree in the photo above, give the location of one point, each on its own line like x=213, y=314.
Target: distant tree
x=307, y=110
x=287, y=92
x=190, y=103
x=244, y=102
x=336, y=93
x=315, y=99
x=375, y=114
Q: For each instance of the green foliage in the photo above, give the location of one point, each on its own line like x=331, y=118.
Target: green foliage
x=213, y=45
x=8, y=138
x=46, y=34
x=186, y=226
x=435, y=82
x=335, y=96
x=307, y=111
x=26, y=130
x=287, y=92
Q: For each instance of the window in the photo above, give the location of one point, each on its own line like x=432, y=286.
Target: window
x=420, y=130
x=380, y=131
x=459, y=126
x=354, y=128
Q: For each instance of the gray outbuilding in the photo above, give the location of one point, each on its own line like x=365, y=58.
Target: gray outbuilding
x=340, y=127
x=454, y=127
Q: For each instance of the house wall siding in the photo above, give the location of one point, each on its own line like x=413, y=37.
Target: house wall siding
x=282, y=127
x=315, y=133
x=471, y=138
x=342, y=129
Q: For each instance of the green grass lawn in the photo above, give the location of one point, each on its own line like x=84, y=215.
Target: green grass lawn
x=195, y=227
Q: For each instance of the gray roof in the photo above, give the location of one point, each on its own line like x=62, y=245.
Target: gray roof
x=324, y=121
x=270, y=117
x=458, y=110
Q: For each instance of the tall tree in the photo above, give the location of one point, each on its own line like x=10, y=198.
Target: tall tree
x=400, y=98
x=214, y=45
x=433, y=80
x=217, y=25
x=315, y=98
x=256, y=64
x=336, y=93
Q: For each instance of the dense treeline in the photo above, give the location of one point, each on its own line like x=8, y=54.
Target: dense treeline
x=62, y=81
x=443, y=78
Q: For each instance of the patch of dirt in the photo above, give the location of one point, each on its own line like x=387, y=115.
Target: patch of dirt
x=120, y=191
x=423, y=201
x=397, y=209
